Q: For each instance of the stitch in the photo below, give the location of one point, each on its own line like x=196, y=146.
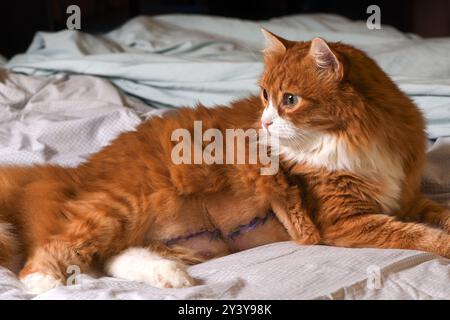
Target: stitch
x=215, y=234
x=250, y=226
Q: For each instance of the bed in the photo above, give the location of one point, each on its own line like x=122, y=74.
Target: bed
x=72, y=92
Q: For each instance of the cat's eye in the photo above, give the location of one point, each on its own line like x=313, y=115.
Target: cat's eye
x=290, y=100
x=265, y=94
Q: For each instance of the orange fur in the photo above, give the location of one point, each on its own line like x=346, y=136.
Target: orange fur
x=346, y=97
x=131, y=194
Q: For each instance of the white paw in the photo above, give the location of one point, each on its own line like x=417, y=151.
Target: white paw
x=168, y=274
x=38, y=282
x=138, y=264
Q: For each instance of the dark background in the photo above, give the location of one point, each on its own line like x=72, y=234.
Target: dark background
x=20, y=19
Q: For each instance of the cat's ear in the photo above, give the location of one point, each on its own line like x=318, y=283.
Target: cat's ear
x=274, y=43
x=324, y=57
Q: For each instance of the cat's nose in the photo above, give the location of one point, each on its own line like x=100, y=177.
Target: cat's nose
x=266, y=123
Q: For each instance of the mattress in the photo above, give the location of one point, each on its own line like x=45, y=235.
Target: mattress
x=71, y=93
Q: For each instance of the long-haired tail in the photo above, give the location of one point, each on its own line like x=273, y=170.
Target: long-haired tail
x=8, y=245
x=12, y=183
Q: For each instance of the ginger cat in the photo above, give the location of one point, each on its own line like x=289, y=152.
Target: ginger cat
x=133, y=194
x=354, y=142
x=351, y=142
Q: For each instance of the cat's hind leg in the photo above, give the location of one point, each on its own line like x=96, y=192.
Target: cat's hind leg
x=47, y=267
x=92, y=233
x=153, y=265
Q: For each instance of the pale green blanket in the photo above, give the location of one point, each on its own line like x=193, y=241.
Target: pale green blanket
x=175, y=60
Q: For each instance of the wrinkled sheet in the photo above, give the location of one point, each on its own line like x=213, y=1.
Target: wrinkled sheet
x=279, y=271
x=179, y=60
x=61, y=119
x=174, y=60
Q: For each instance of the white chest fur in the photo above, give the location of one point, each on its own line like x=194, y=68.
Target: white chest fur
x=377, y=165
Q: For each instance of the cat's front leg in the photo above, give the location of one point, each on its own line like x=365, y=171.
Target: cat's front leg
x=297, y=223
x=428, y=211
x=289, y=208
x=149, y=266
x=383, y=231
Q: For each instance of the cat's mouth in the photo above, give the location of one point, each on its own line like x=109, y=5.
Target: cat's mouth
x=283, y=135
x=284, y=138
x=279, y=142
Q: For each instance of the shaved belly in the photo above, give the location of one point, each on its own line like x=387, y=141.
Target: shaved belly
x=220, y=224
x=214, y=243
x=266, y=230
